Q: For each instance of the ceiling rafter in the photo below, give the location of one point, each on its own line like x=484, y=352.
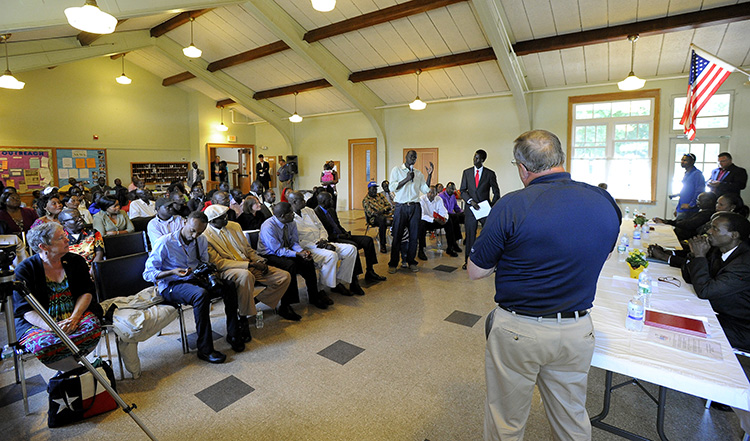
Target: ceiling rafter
x=244, y=57
x=176, y=21
x=674, y=23
x=471, y=57
x=376, y=17
x=225, y=103
x=174, y=79
x=290, y=90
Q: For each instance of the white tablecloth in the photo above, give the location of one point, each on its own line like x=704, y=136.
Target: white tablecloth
x=632, y=354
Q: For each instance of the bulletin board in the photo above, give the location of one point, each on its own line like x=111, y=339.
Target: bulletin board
x=27, y=169
x=85, y=165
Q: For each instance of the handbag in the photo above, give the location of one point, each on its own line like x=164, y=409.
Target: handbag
x=76, y=395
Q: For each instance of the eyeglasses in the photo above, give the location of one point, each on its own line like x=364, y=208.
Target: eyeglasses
x=671, y=280
x=514, y=162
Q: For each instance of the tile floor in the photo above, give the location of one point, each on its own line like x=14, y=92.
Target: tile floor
x=404, y=362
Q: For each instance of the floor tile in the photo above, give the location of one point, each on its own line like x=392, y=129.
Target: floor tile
x=463, y=318
x=12, y=392
x=193, y=339
x=341, y=352
x=224, y=393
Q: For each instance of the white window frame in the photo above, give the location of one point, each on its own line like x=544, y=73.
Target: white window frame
x=711, y=132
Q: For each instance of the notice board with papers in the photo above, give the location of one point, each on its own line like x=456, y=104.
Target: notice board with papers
x=27, y=169
x=85, y=165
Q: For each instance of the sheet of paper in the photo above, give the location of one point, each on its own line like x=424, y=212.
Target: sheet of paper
x=45, y=177
x=67, y=162
x=73, y=173
x=483, y=211
x=31, y=176
x=44, y=162
x=22, y=187
x=684, y=342
x=34, y=162
x=78, y=153
x=80, y=163
x=83, y=173
x=90, y=163
x=62, y=173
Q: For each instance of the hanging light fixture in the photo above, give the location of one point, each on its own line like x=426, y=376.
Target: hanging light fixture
x=123, y=79
x=295, y=118
x=8, y=81
x=632, y=82
x=221, y=127
x=417, y=104
x=324, y=5
x=192, y=51
x=89, y=18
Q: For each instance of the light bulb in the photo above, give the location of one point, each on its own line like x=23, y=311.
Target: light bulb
x=89, y=18
x=222, y=128
x=417, y=104
x=8, y=81
x=123, y=79
x=192, y=52
x=324, y=5
x=295, y=118
x=632, y=82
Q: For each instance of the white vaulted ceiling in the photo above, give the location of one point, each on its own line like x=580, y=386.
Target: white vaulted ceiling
x=230, y=28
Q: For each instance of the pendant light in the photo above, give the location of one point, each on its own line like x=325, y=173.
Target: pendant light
x=417, y=104
x=295, y=118
x=89, y=18
x=192, y=51
x=324, y=5
x=632, y=82
x=123, y=79
x=8, y=81
x=221, y=127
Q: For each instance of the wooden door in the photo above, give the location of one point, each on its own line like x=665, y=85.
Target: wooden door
x=211, y=147
x=363, y=168
x=245, y=167
x=424, y=157
x=272, y=170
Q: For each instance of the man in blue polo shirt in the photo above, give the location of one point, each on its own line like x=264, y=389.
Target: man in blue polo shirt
x=693, y=184
x=548, y=243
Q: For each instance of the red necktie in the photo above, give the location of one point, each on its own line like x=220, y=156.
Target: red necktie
x=476, y=179
x=721, y=175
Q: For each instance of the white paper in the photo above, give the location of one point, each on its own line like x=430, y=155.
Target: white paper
x=484, y=210
x=67, y=162
x=62, y=173
x=44, y=162
x=79, y=153
x=684, y=342
x=83, y=173
x=45, y=177
x=73, y=173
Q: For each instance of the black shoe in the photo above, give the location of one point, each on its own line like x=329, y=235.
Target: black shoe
x=463, y=267
x=319, y=303
x=720, y=407
x=457, y=249
x=356, y=289
x=286, y=312
x=215, y=357
x=451, y=253
x=236, y=343
x=324, y=297
x=383, y=250
x=341, y=289
x=372, y=276
x=421, y=255
x=244, y=326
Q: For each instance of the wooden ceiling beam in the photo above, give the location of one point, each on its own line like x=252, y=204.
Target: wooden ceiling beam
x=174, y=79
x=470, y=57
x=176, y=21
x=289, y=90
x=225, y=103
x=116, y=56
x=377, y=17
x=250, y=55
x=674, y=23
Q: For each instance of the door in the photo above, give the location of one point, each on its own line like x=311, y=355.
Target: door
x=424, y=157
x=245, y=167
x=363, y=168
x=272, y=170
x=216, y=150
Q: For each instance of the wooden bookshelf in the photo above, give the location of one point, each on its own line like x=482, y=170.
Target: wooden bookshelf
x=159, y=172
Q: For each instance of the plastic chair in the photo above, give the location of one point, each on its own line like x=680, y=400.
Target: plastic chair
x=125, y=244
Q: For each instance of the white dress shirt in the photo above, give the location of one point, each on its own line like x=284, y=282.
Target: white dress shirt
x=428, y=208
x=411, y=190
x=138, y=208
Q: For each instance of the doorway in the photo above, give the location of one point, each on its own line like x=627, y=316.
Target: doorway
x=363, y=168
x=424, y=157
x=236, y=169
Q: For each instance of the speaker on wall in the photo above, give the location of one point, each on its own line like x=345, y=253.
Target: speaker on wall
x=292, y=161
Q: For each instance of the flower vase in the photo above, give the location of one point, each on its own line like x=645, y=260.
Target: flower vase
x=635, y=272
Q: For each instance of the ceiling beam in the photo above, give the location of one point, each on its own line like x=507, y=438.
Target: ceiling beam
x=674, y=23
x=376, y=17
x=290, y=90
x=225, y=103
x=250, y=55
x=174, y=79
x=470, y=57
x=176, y=21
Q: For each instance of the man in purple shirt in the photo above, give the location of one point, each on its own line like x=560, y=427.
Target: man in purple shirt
x=455, y=213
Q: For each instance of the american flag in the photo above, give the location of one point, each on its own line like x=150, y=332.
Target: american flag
x=707, y=73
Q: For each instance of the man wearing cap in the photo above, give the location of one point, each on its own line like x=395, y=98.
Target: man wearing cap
x=693, y=184
x=378, y=211
x=165, y=221
x=230, y=251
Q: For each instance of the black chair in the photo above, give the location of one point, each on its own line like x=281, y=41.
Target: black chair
x=141, y=223
x=119, y=277
x=125, y=244
x=252, y=237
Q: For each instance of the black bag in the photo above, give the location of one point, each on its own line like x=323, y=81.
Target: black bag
x=76, y=395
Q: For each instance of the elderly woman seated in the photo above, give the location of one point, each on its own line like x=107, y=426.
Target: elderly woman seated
x=86, y=242
x=60, y=282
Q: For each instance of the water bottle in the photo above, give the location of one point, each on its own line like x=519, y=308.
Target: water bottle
x=634, y=322
x=7, y=352
x=259, y=319
x=439, y=243
x=637, y=234
x=644, y=288
x=623, y=246
x=627, y=212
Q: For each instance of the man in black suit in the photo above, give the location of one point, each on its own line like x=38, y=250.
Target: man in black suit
x=727, y=178
x=336, y=233
x=261, y=172
x=476, y=183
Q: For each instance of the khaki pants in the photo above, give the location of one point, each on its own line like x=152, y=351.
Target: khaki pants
x=554, y=355
x=275, y=280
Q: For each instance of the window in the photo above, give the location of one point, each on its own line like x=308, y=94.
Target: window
x=714, y=115
x=612, y=139
x=706, y=155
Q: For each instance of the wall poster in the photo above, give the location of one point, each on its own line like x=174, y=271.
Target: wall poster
x=27, y=169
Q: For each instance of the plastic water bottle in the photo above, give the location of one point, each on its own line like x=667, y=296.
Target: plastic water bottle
x=624, y=243
x=644, y=288
x=259, y=319
x=634, y=322
x=7, y=352
x=637, y=234
x=439, y=243
x=627, y=212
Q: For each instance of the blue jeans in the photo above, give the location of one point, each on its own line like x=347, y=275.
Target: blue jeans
x=405, y=216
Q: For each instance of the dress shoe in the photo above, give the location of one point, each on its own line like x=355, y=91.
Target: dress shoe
x=244, y=326
x=372, y=276
x=383, y=250
x=236, y=343
x=463, y=267
x=286, y=312
x=414, y=268
x=451, y=253
x=324, y=297
x=391, y=270
x=319, y=303
x=215, y=357
x=421, y=255
x=341, y=289
x=356, y=289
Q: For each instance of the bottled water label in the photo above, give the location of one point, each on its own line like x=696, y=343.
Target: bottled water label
x=259, y=319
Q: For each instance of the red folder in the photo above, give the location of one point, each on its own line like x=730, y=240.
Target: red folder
x=676, y=323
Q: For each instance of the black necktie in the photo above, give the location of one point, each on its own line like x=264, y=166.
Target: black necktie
x=285, y=237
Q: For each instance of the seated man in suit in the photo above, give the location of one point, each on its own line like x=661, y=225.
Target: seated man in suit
x=336, y=233
x=455, y=213
x=687, y=227
x=378, y=211
x=165, y=221
x=278, y=242
x=314, y=238
x=476, y=183
x=232, y=254
x=434, y=216
x=719, y=269
x=171, y=264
